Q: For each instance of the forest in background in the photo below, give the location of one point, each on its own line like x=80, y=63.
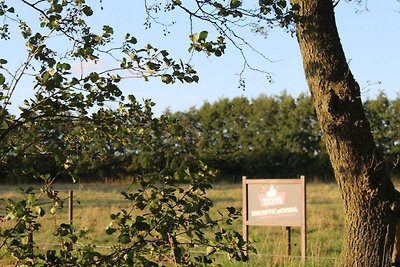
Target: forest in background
x=268, y=136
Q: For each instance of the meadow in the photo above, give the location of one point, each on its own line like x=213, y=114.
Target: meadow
x=93, y=203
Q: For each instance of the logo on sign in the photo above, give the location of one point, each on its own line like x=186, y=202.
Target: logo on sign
x=272, y=197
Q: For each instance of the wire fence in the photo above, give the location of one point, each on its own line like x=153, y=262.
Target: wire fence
x=311, y=260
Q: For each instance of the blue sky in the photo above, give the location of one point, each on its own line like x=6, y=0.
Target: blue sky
x=370, y=40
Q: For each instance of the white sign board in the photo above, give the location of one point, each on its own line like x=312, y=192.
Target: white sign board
x=275, y=202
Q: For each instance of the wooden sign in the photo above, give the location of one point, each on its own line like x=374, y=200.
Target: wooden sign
x=275, y=202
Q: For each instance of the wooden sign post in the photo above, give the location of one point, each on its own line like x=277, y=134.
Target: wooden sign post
x=275, y=202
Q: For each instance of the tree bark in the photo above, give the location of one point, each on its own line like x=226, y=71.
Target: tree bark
x=370, y=198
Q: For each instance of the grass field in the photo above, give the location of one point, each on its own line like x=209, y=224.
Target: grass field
x=93, y=203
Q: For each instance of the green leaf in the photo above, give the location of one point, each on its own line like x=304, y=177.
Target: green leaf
x=110, y=230
x=57, y=8
x=278, y=11
x=132, y=40
x=203, y=36
x=235, y=3
x=231, y=210
x=296, y=7
x=188, y=79
x=87, y=10
x=31, y=198
x=166, y=78
x=124, y=239
x=39, y=211
x=282, y=4
x=114, y=216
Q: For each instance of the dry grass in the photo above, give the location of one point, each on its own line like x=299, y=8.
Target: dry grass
x=324, y=209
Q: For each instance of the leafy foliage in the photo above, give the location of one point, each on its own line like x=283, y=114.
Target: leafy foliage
x=269, y=136
x=164, y=224
x=68, y=128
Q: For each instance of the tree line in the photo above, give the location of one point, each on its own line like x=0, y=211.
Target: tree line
x=268, y=136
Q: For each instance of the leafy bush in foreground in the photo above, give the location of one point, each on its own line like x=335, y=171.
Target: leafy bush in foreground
x=169, y=217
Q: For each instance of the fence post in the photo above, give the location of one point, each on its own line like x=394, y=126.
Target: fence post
x=304, y=222
x=244, y=215
x=71, y=207
x=289, y=245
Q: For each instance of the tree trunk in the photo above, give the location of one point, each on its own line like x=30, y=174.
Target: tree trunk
x=368, y=193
